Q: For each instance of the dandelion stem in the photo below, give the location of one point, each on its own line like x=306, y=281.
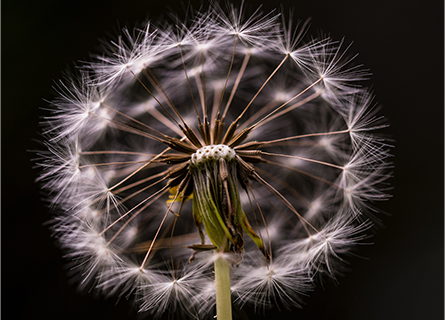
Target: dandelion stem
x=223, y=295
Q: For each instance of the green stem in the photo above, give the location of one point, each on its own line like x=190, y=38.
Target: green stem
x=223, y=294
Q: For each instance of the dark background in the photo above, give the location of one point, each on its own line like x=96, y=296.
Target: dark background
x=401, y=42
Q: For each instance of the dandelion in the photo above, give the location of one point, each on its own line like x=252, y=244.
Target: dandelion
x=221, y=158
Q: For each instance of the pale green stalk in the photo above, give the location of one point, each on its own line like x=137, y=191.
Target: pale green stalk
x=223, y=295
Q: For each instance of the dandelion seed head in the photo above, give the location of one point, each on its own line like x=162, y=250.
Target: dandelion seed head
x=229, y=134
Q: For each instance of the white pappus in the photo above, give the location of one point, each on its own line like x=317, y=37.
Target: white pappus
x=223, y=134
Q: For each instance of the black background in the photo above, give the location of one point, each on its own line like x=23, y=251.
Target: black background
x=401, y=42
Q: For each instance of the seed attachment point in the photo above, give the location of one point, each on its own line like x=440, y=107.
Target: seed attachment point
x=212, y=152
